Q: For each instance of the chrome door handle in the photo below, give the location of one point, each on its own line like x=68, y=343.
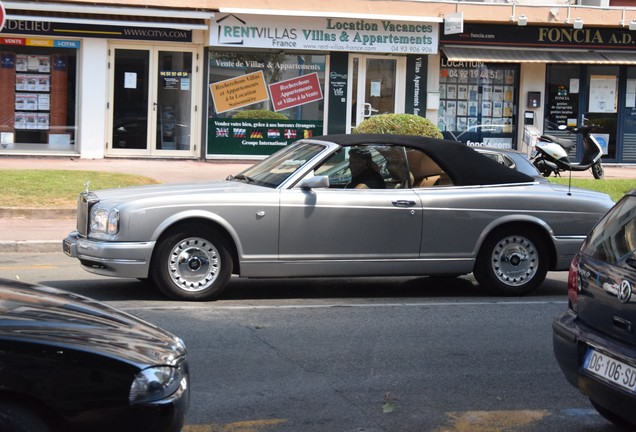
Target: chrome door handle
x=404, y=203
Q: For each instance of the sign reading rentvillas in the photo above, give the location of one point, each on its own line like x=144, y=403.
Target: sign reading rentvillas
x=325, y=34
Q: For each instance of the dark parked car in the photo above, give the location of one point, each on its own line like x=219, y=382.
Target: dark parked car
x=513, y=159
x=595, y=340
x=69, y=363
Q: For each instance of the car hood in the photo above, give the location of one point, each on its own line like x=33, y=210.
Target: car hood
x=176, y=191
x=48, y=316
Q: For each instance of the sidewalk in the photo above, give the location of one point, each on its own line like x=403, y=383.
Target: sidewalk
x=42, y=230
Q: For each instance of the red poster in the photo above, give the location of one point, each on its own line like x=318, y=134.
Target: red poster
x=295, y=91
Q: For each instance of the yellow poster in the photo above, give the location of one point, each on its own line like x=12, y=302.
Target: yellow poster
x=239, y=92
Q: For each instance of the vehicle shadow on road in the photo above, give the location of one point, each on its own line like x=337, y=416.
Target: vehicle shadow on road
x=109, y=289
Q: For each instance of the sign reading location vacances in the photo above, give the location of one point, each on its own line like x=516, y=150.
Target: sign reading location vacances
x=295, y=91
x=239, y=92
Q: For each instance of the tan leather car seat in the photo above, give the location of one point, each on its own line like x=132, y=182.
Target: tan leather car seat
x=426, y=172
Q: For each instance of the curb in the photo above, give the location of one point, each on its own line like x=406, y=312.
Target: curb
x=37, y=213
x=30, y=246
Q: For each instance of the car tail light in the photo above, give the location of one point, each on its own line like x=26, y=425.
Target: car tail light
x=573, y=284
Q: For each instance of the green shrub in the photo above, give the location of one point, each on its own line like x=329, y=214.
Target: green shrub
x=260, y=115
x=401, y=124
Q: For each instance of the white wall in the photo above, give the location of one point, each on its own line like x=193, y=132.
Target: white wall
x=93, y=91
x=532, y=78
x=432, y=85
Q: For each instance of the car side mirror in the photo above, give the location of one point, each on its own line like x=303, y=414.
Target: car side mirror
x=314, y=182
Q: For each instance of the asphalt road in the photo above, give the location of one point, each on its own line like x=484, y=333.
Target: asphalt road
x=403, y=354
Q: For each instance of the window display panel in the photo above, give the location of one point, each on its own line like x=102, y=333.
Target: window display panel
x=562, y=100
x=477, y=103
x=260, y=102
x=37, y=98
x=602, y=105
x=629, y=116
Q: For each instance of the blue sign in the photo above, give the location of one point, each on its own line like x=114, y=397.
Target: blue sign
x=7, y=60
x=66, y=44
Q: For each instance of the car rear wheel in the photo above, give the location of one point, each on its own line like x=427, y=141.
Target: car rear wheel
x=612, y=417
x=192, y=264
x=17, y=418
x=512, y=261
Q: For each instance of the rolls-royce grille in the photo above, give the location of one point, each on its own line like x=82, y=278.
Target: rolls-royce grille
x=84, y=203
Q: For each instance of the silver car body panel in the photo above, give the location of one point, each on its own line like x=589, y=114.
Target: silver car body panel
x=327, y=230
x=285, y=230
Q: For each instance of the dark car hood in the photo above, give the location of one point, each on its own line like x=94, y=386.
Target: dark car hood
x=43, y=315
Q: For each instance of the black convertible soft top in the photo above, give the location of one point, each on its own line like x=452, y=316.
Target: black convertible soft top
x=464, y=166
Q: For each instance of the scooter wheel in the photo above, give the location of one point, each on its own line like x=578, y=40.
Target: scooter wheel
x=597, y=171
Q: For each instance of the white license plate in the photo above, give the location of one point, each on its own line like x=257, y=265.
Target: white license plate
x=610, y=369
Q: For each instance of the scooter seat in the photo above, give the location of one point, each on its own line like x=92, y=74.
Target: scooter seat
x=563, y=142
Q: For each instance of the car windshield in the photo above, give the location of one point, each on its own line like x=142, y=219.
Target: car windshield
x=274, y=170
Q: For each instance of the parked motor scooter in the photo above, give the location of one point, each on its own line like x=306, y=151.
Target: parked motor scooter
x=551, y=153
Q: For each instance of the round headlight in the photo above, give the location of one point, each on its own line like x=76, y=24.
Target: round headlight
x=156, y=383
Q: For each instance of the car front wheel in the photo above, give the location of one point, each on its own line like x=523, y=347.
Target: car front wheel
x=512, y=261
x=193, y=264
x=18, y=418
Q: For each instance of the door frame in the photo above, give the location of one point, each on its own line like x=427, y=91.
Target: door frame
x=151, y=149
x=400, y=85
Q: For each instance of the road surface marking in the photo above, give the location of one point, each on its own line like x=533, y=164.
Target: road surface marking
x=242, y=426
x=492, y=421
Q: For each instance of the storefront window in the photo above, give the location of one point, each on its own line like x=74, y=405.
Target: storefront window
x=260, y=102
x=629, y=117
x=575, y=92
x=562, y=100
x=477, y=103
x=602, y=106
x=38, y=96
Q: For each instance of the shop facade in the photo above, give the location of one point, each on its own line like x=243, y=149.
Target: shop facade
x=100, y=82
x=564, y=75
x=274, y=79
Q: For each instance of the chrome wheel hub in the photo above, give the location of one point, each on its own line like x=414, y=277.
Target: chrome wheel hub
x=514, y=260
x=194, y=264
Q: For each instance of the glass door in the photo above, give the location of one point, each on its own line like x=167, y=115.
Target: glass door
x=130, y=100
x=602, y=106
x=174, y=101
x=153, y=109
x=376, y=86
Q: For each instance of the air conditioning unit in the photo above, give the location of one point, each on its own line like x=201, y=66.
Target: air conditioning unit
x=601, y=3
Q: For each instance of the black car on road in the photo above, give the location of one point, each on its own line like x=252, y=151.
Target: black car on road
x=69, y=363
x=595, y=340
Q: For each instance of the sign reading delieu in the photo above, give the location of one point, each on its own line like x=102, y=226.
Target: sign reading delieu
x=3, y=16
x=295, y=91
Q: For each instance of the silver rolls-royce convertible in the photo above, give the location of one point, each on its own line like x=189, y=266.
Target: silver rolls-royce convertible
x=340, y=205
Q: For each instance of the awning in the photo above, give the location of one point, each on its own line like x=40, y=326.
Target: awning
x=107, y=15
x=328, y=14
x=525, y=55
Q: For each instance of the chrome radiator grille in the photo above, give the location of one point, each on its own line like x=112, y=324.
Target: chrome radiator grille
x=85, y=201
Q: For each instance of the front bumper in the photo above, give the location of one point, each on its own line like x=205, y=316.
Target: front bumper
x=570, y=339
x=120, y=259
x=166, y=415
